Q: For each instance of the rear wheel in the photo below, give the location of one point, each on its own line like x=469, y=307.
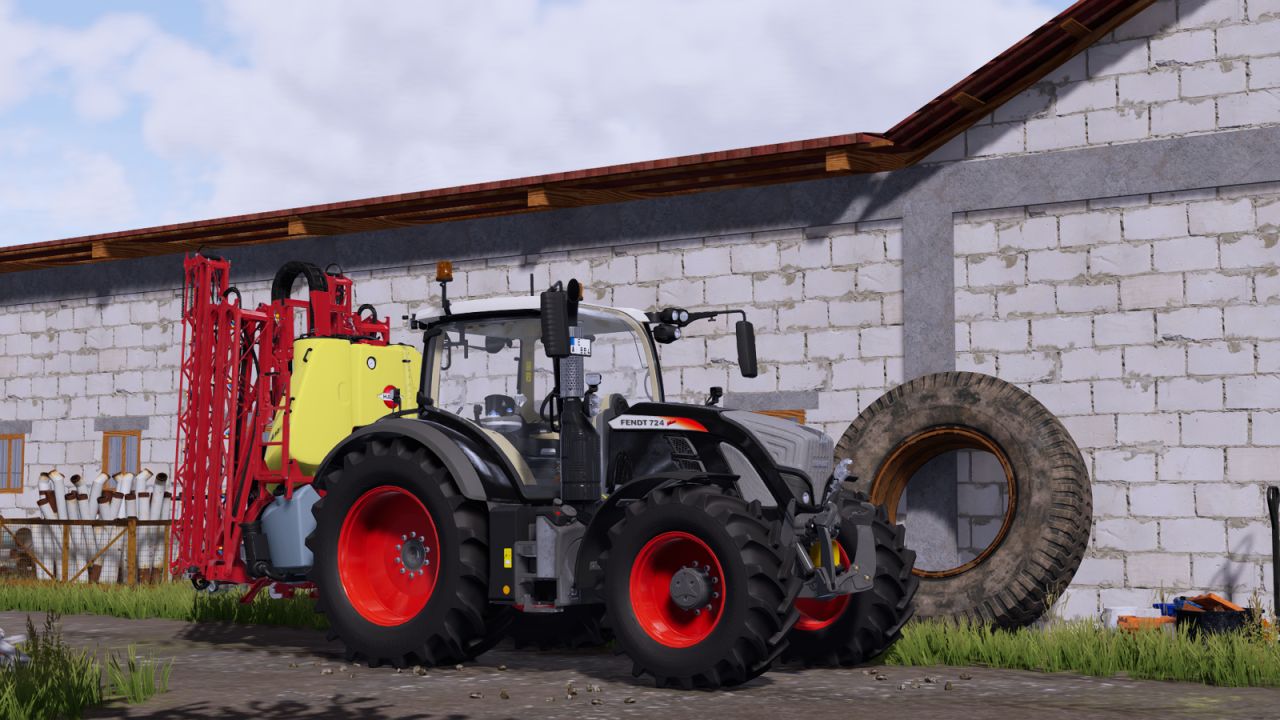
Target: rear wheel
x=401, y=558
x=698, y=587
x=854, y=629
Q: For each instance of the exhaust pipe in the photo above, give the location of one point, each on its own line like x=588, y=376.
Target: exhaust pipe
x=164, y=545
x=1273, y=506
x=144, y=486
x=60, y=490
x=71, y=511
x=84, y=511
x=116, y=510
x=50, y=550
x=97, y=535
x=161, y=502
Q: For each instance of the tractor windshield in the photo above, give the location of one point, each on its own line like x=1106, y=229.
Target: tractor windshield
x=492, y=370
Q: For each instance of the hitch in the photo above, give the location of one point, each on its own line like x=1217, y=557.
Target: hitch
x=824, y=580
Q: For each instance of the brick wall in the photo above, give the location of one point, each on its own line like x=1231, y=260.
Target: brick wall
x=1179, y=67
x=1151, y=326
x=65, y=365
x=827, y=310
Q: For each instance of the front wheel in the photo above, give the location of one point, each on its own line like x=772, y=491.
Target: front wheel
x=854, y=629
x=401, y=558
x=698, y=587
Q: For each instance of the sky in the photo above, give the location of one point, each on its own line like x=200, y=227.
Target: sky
x=133, y=113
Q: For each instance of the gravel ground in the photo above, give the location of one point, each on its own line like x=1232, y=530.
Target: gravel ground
x=223, y=671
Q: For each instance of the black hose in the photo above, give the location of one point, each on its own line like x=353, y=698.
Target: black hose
x=283, y=282
x=1273, y=506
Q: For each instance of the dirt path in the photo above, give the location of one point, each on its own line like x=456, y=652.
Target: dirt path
x=267, y=673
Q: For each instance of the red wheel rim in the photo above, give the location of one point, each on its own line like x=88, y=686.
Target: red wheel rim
x=388, y=555
x=817, y=614
x=651, y=602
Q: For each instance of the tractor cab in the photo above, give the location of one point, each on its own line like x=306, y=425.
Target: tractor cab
x=485, y=363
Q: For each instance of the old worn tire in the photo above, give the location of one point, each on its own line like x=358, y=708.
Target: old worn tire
x=860, y=628
x=364, y=601
x=1053, y=507
x=753, y=579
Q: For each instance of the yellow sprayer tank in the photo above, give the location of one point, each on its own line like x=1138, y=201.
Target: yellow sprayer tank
x=337, y=386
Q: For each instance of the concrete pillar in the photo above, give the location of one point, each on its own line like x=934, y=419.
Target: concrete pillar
x=928, y=290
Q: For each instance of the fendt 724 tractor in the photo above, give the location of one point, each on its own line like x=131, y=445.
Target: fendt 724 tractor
x=523, y=471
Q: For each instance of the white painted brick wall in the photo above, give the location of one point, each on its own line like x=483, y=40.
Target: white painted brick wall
x=827, y=310
x=1176, y=68
x=1161, y=354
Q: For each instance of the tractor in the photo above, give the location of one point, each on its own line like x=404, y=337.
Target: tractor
x=524, y=473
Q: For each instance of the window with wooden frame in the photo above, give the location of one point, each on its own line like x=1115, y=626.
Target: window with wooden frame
x=120, y=451
x=11, y=463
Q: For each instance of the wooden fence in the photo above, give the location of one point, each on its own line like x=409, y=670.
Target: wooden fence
x=126, y=551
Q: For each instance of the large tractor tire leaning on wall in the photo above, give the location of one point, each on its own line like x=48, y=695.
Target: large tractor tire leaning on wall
x=1045, y=529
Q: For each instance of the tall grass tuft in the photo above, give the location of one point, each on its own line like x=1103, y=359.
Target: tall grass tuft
x=61, y=682
x=139, y=678
x=1233, y=660
x=57, y=682
x=172, y=601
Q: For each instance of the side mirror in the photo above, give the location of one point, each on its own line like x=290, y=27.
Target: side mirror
x=555, y=322
x=746, y=333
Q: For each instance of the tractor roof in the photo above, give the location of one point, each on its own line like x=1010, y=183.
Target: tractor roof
x=517, y=303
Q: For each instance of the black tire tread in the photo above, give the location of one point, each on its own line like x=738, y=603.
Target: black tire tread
x=878, y=614
x=770, y=584
x=1051, y=561
x=463, y=633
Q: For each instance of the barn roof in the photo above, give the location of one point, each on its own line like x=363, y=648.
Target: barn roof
x=903, y=145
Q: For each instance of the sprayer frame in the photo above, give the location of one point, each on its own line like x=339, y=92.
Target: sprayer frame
x=234, y=378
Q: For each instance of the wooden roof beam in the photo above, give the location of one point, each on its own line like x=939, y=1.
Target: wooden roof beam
x=300, y=226
x=559, y=197
x=847, y=160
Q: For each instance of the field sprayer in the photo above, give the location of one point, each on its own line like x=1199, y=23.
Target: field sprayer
x=524, y=468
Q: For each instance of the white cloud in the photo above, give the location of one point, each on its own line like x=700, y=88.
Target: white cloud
x=328, y=100
x=54, y=190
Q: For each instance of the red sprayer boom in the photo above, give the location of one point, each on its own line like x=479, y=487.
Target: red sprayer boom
x=233, y=387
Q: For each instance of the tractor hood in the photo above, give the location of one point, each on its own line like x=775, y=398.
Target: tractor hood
x=791, y=445
x=802, y=458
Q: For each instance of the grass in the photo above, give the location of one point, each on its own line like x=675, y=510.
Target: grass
x=172, y=601
x=139, y=678
x=1231, y=660
x=1238, y=660
x=61, y=682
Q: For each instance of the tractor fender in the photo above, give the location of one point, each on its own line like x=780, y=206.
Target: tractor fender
x=588, y=575
x=451, y=453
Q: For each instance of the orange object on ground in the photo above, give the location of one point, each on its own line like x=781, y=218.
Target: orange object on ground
x=1215, y=603
x=1133, y=623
